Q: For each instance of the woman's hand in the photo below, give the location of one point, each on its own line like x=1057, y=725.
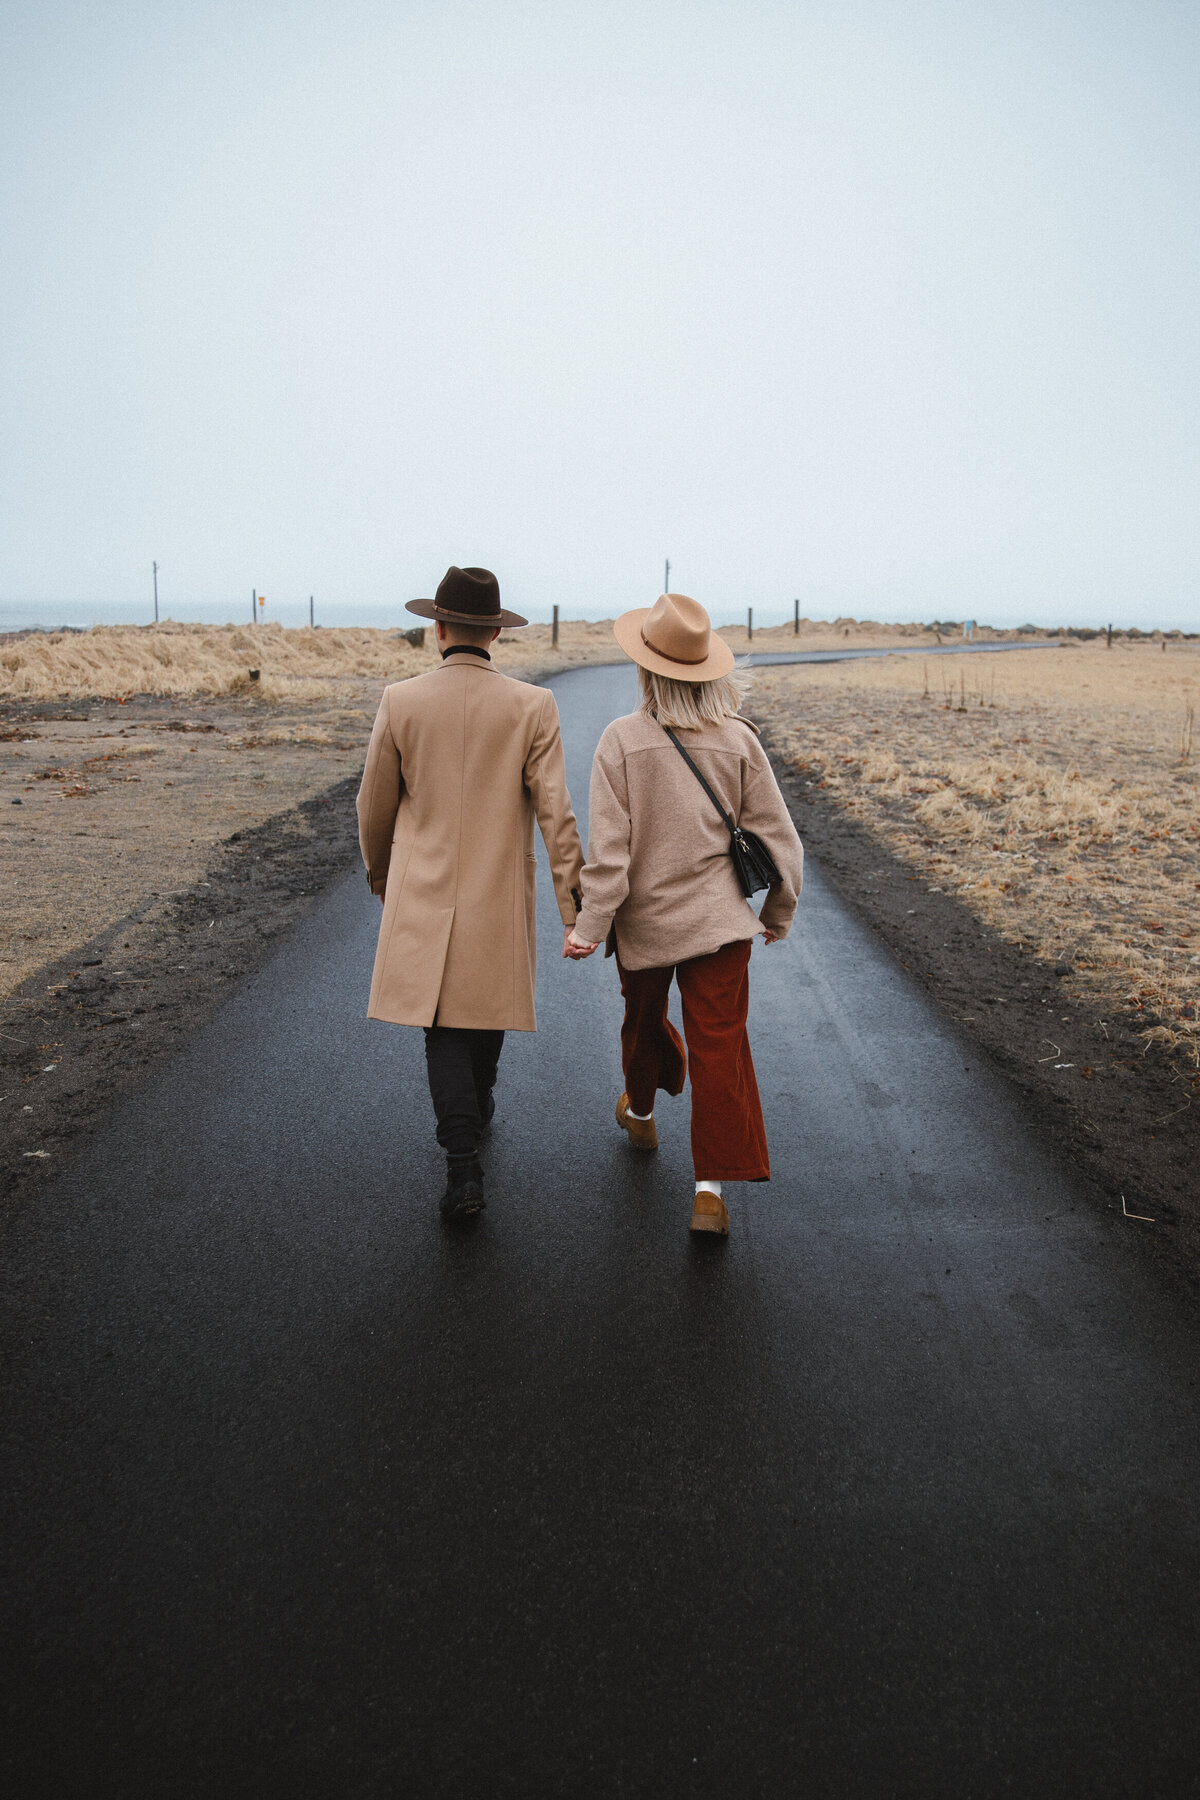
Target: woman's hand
x=770, y=937
x=575, y=947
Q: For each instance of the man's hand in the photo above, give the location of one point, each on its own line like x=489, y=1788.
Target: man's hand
x=771, y=937
x=576, y=948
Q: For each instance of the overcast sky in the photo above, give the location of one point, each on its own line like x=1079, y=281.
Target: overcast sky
x=891, y=307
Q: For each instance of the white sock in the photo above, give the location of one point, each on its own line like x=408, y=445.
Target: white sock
x=640, y=1117
x=709, y=1187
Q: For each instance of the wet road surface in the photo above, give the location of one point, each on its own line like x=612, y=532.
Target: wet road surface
x=895, y=1493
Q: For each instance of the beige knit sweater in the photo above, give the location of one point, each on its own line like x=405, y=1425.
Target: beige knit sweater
x=658, y=863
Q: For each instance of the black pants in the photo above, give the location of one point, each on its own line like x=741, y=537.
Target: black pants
x=462, y=1070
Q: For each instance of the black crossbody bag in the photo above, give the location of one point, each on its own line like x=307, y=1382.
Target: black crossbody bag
x=752, y=860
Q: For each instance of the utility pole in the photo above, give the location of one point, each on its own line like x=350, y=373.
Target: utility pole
x=310, y=612
x=750, y=623
x=667, y=577
x=554, y=628
x=254, y=605
x=796, y=618
x=155, y=568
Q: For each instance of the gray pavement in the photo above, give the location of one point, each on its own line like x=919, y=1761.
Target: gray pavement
x=895, y=1493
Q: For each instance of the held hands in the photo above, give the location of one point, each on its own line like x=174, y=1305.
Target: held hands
x=575, y=948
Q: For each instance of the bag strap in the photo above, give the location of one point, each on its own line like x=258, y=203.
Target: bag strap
x=730, y=826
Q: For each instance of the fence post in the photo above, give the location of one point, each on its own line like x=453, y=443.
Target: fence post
x=554, y=629
x=1108, y=646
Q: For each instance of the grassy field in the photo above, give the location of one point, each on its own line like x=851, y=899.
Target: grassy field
x=117, y=661
x=1055, y=791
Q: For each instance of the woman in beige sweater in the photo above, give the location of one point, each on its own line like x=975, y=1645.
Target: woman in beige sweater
x=661, y=887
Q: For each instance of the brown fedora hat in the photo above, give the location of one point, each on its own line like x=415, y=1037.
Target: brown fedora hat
x=674, y=637
x=466, y=597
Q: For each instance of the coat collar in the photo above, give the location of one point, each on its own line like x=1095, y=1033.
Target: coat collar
x=466, y=650
x=449, y=663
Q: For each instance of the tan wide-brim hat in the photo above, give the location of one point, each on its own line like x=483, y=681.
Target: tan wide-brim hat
x=466, y=597
x=674, y=637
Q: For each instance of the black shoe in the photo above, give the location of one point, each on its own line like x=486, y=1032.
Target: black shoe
x=463, y=1197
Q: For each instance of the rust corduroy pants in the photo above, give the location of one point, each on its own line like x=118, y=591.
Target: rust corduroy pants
x=729, y=1142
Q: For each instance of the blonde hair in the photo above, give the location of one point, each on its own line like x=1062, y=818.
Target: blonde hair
x=689, y=705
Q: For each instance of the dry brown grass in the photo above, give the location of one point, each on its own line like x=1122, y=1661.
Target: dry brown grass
x=1054, y=791
x=111, y=661
x=114, y=661
x=183, y=660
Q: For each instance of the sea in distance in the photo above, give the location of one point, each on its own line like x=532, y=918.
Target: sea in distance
x=81, y=615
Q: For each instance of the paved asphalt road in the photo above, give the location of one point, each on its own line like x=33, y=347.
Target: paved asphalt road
x=896, y=1493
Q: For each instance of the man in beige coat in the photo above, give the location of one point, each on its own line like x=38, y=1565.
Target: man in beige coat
x=460, y=761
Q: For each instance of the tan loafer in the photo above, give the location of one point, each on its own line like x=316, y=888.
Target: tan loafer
x=642, y=1134
x=710, y=1213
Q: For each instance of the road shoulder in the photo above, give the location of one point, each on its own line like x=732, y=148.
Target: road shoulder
x=80, y=1032
x=1125, y=1118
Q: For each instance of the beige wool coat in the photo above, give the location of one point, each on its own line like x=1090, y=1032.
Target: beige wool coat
x=461, y=760
x=659, y=870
